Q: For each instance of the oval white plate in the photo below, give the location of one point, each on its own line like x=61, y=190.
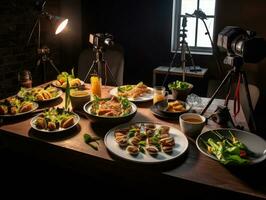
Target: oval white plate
x=143, y=98
x=59, y=93
x=76, y=121
x=181, y=145
x=35, y=106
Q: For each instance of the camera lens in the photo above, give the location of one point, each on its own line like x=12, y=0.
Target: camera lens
x=238, y=45
x=108, y=41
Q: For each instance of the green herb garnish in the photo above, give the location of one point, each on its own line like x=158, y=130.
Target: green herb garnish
x=88, y=139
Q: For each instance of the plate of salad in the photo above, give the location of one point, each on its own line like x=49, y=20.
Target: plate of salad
x=232, y=146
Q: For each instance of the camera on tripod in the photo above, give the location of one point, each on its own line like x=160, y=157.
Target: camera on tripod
x=244, y=44
x=100, y=40
x=43, y=51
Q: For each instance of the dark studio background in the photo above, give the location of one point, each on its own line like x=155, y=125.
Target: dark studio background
x=143, y=28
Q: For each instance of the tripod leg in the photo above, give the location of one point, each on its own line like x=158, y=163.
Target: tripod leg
x=183, y=60
x=191, y=58
x=53, y=65
x=111, y=74
x=44, y=71
x=169, y=68
x=91, y=67
x=253, y=124
x=228, y=75
x=228, y=91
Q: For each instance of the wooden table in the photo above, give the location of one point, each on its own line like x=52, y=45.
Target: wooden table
x=194, y=169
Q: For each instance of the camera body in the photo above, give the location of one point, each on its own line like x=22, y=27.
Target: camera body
x=100, y=40
x=244, y=44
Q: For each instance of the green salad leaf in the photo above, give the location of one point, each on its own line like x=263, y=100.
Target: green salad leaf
x=178, y=85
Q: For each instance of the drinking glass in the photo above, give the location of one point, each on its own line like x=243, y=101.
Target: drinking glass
x=96, y=85
x=159, y=94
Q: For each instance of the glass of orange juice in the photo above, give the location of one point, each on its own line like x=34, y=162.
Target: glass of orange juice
x=96, y=85
x=159, y=94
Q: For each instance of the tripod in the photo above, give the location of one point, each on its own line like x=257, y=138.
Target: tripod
x=236, y=62
x=202, y=16
x=43, y=53
x=184, y=48
x=102, y=66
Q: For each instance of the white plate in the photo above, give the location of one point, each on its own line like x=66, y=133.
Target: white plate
x=76, y=121
x=59, y=93
x=53, y=83
x=181, y=145
x=35, y=106
x=143, y=98
x=253, y=142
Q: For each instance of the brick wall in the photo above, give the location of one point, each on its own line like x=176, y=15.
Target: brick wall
x=16, y=21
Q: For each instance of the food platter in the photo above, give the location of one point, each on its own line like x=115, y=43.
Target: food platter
x=33, y=107
x=143, y=98
x=254, y=143
x=179, y=148
x=88, y=108
x=76, y=119
x=30, y=93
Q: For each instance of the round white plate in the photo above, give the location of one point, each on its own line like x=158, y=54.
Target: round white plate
x=76, y=121
x=59, y=93
x=143, y=98
x=253, y=142
x=181, y=145
x=34, y=107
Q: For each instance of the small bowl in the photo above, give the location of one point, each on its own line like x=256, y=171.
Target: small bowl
x=110, y=119
x=191, y=124
x=181, y=94
x=78, y=98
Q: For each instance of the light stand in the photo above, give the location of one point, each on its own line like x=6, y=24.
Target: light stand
x=101, y=64
x=184, y=48
x=236, y=62
x=202, y=16
x=43, y=52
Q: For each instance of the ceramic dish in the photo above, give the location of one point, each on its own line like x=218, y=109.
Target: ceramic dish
x=254, y=143
x=179, y=147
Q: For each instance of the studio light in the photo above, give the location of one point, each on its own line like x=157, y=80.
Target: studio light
x=58, y=24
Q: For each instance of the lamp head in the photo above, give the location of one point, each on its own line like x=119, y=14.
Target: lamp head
x=59, y=23
x=62, y=23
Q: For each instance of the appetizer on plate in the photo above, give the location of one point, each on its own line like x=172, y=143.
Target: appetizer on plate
x=54, y=119
x=15, y=106
x=111, y=107
x=113, y=110
x=146, y=142
x=145, y=138
x=40, y=93
x=176, y=106
x=62, y=80
x=133, y=91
